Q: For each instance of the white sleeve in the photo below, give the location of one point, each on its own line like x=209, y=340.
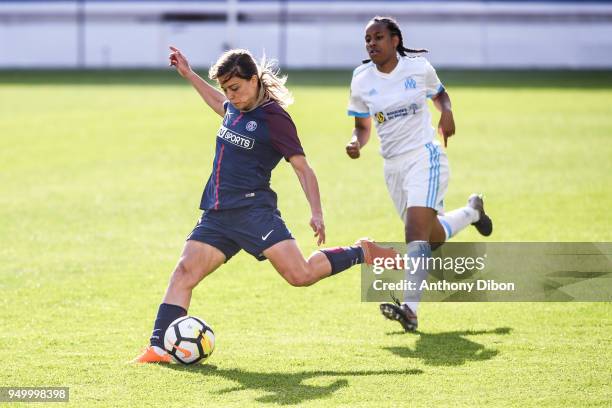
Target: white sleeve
x=432, y=82
x=357, y=106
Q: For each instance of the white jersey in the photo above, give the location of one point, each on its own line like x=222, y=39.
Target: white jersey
x=398, y=103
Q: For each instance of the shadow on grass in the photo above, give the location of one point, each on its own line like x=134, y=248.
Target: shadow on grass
x=448, y=349
x=284, y=388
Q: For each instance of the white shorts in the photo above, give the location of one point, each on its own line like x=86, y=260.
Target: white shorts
x=418, y=178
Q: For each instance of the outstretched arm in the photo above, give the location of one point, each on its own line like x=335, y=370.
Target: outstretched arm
x=361, y=135
x=309, y=183
x=446, y=126
x=209, y=93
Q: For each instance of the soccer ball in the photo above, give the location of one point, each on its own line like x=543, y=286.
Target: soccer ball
x=189, y=340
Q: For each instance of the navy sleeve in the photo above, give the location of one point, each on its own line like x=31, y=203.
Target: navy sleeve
x=283, y=134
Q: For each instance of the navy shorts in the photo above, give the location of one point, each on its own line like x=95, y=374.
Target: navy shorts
x=253, y=229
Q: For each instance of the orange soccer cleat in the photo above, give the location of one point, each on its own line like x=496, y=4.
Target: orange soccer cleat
x=372, y=251
x=150, y=355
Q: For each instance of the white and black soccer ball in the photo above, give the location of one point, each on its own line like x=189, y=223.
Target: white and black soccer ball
x=189, y=340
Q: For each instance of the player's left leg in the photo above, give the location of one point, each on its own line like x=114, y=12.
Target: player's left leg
x=451, y=223
x=205, y=249
x=197, y=260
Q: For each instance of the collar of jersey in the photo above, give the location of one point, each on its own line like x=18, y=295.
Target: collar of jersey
x=263, y=103
x=392, y=73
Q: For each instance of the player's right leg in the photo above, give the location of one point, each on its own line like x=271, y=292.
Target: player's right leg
x=198, y=260
x=288, y=260
x=417, y=182
x=261, y=231
x=419, y=225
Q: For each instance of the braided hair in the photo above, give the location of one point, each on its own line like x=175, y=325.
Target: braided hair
x=395, y=31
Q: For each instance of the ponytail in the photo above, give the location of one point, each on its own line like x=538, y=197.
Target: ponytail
x=272, y=83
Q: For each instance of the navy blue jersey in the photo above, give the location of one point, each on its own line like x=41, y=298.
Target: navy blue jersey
x=249, y=146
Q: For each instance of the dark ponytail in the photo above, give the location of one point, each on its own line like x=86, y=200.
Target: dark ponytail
x=394, y=29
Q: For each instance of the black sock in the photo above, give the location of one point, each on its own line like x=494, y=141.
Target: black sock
x=166, y=314
x=342, y=258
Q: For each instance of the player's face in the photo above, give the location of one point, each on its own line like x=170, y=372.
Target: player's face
x=380, y=45
x=242, y=93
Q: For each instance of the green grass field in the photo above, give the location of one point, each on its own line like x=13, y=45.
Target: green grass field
x=100, y=179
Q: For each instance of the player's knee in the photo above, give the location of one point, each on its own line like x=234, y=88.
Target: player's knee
x=298, y=279
x=184, y=275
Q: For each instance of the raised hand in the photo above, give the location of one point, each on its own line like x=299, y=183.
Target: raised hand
x=178, y=60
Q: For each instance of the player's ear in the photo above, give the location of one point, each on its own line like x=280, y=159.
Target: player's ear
x=395, y=41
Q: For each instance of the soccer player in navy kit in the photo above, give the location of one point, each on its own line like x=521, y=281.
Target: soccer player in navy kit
x=239, y=205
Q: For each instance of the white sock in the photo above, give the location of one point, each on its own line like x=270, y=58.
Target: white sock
x=456, y=220
x=416, y=249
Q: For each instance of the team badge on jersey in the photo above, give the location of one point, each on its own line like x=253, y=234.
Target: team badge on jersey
x=380, y=117
x=251, y=125
x=410, y=83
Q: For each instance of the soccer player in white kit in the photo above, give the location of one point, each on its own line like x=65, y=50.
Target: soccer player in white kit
x=392, y=88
